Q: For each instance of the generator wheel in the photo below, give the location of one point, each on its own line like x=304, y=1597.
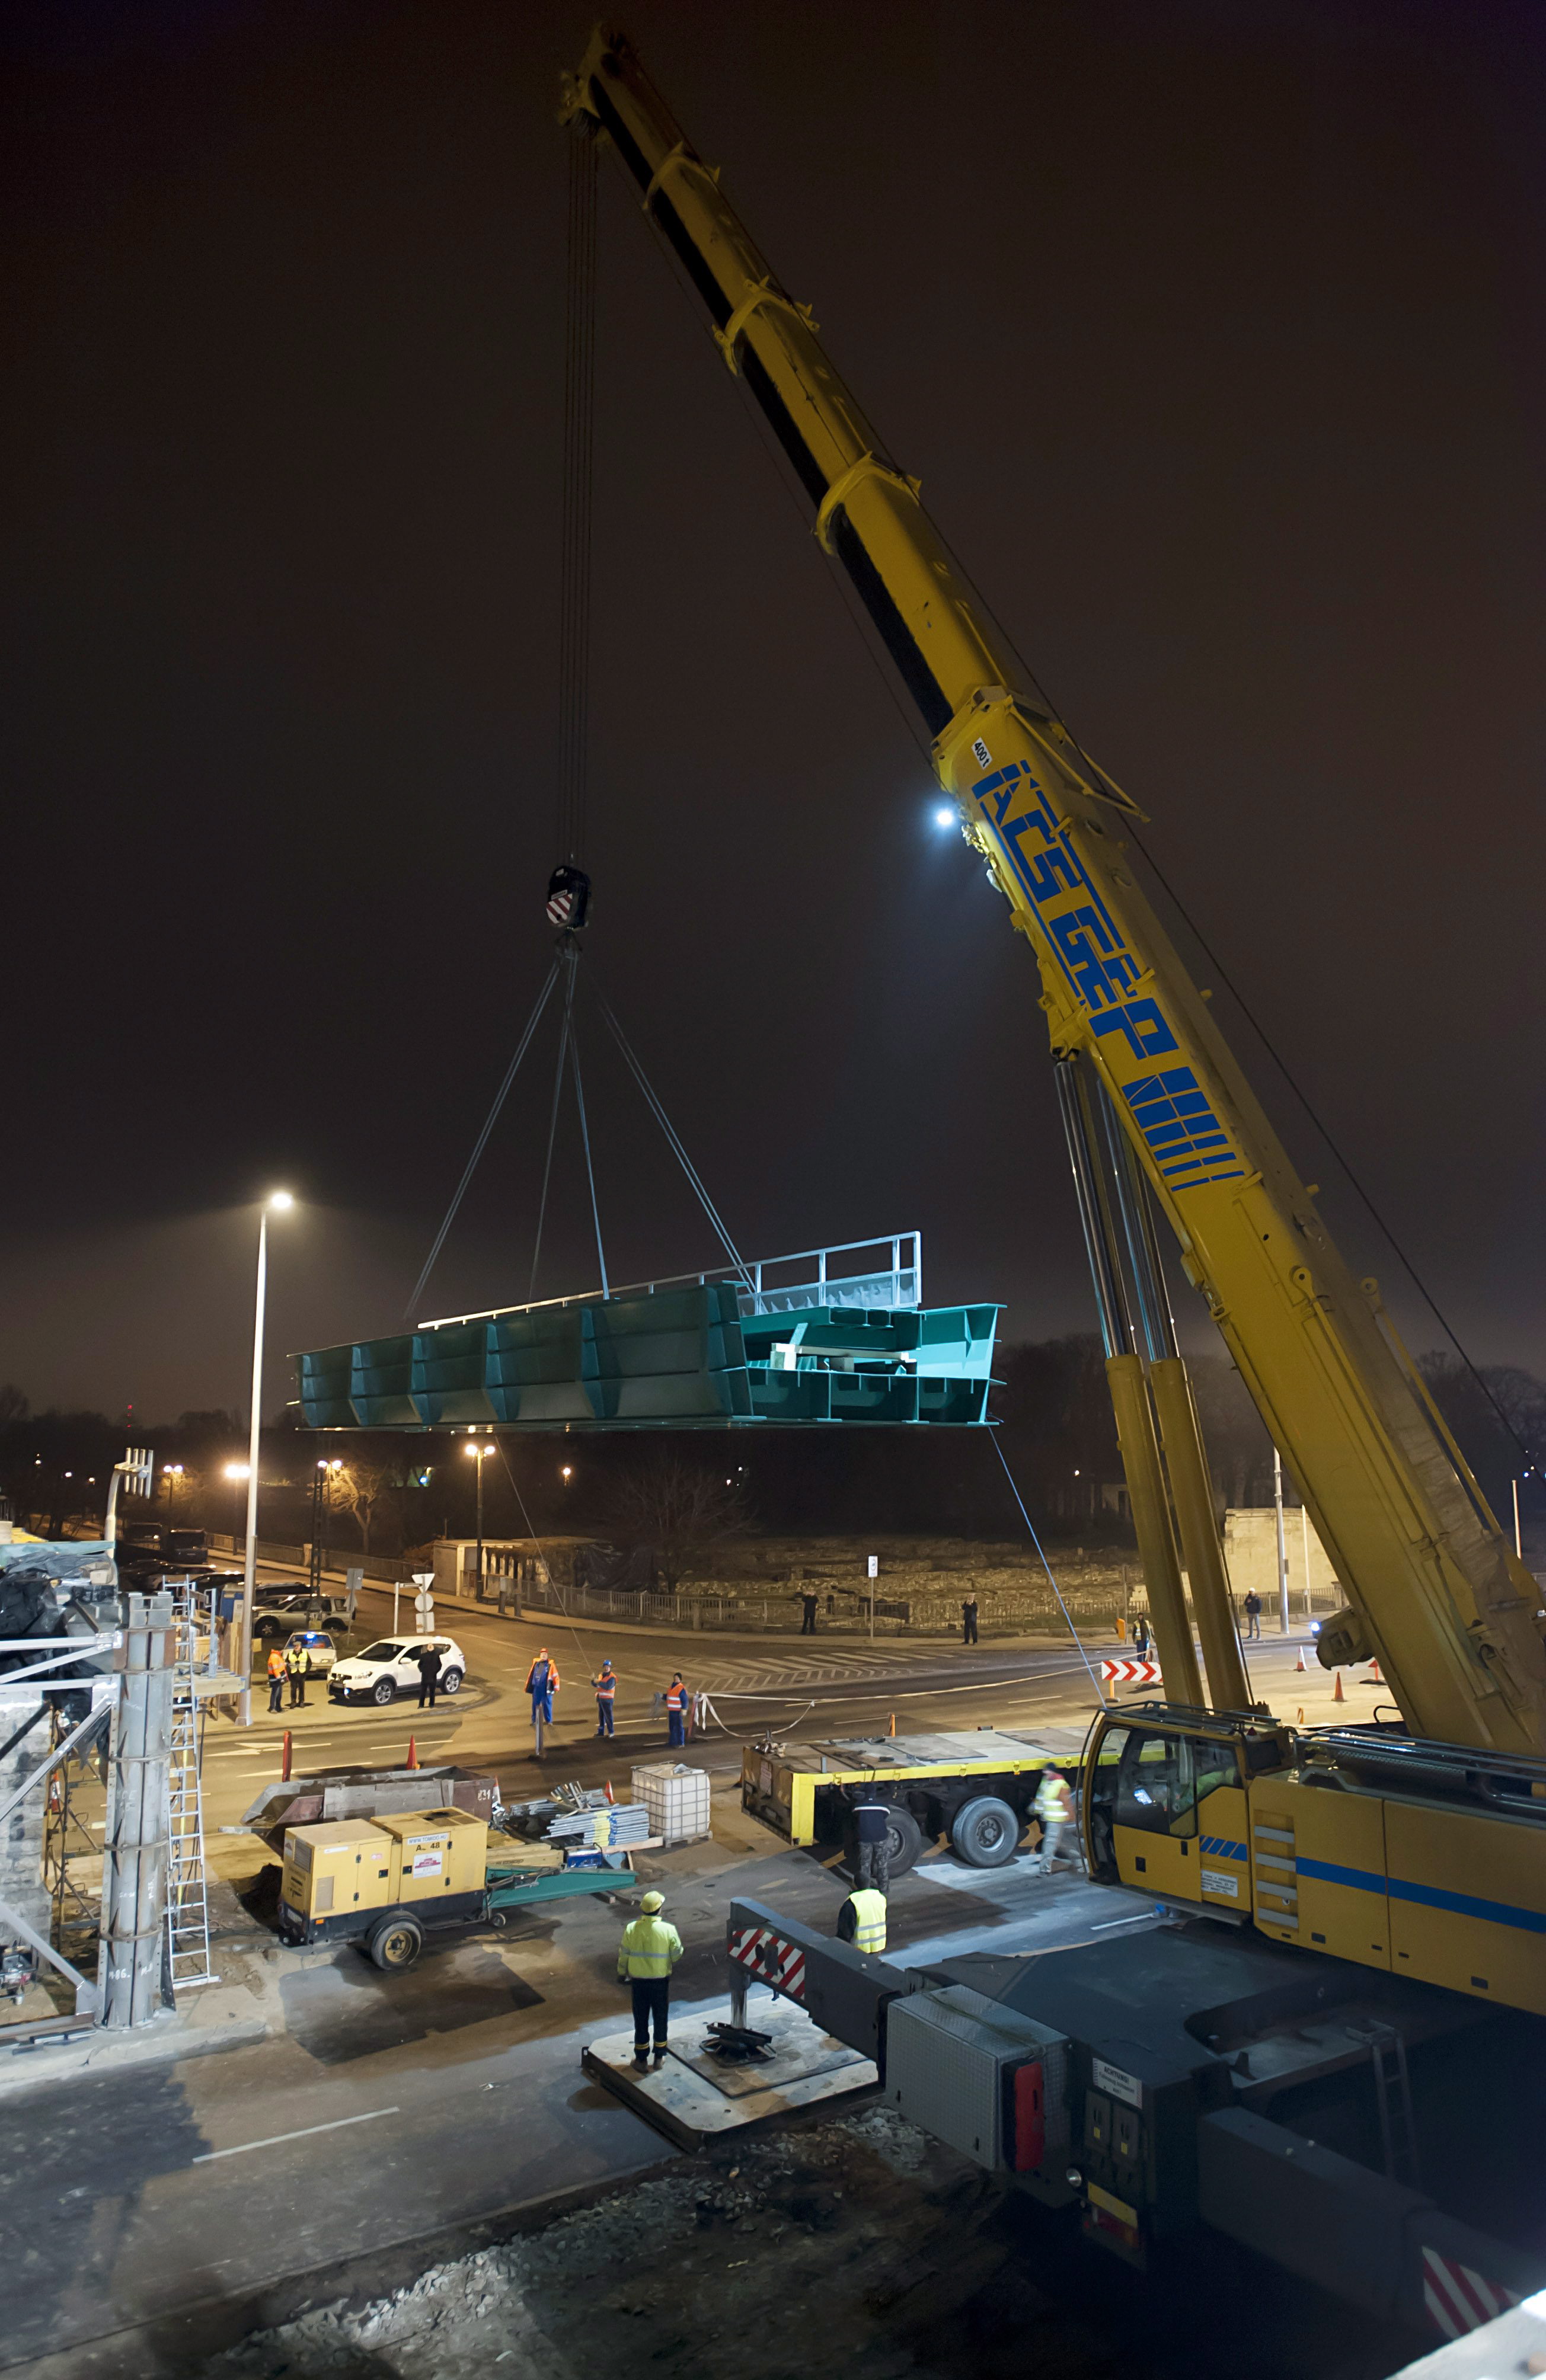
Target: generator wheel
x=985, y=1832
x=395, y=1943
x=903, y=1840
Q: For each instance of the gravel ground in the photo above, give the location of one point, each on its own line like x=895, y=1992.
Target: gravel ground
x=854, y=2250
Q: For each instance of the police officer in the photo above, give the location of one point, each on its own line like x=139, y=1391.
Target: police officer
x=297, y=1662
x=646, y=1955
x=861, y=1919
x=275, y=1678
x=605, y=1691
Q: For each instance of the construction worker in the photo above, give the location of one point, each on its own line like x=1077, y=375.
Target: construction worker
x=871, y=1863
x=605, y=1691
x=297, y=1663
x=542, y=1684
x=676, y=1711
x=646, y=1955
x=275, y=1678
x=1054, y=1808
x=1140, y=1635
x=861, y=1919
x=807, y=1612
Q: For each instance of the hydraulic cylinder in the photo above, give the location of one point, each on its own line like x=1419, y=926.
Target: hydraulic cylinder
x=1152, y=1524
x=1181, y=1437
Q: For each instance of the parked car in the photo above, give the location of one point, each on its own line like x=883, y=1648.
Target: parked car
x=276, y=1615
x=390, y=1668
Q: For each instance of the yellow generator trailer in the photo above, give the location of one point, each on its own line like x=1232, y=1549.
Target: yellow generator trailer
x=977, y=1786
x=384, y=1881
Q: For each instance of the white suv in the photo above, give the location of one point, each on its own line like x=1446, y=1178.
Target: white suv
x=390, y=1668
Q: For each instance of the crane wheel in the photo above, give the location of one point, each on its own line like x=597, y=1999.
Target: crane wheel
x=985, y=1832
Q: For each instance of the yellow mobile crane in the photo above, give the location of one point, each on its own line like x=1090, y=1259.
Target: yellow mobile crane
x=1421, y=1851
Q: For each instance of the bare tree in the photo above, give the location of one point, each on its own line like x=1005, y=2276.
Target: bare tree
x=682, y=1511
x=361, y=1487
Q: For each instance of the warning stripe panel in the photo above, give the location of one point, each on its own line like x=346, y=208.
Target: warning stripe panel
x=770, y=1958
x=1458, y=2298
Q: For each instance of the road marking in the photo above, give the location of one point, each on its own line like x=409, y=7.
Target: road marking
x=277, y=2139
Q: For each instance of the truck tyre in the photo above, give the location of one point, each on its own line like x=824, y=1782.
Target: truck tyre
x=383, y=1691
x=903, y=1840
x=396, y=1942
x=985, y=1832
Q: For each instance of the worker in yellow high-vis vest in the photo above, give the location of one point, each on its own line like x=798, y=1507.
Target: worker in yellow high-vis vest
x=861, y=1919
x=646, y=1955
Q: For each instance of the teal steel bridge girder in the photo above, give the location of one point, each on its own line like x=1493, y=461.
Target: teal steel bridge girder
x=675, y=1357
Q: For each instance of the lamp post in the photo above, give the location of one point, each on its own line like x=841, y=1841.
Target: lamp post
x=171, y=1476
x=479, y=1455
x=279, y=1203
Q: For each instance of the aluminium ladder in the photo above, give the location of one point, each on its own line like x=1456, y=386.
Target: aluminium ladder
x=187, y=1907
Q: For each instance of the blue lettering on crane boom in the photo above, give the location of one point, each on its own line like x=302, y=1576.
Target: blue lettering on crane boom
x=1188, y=1144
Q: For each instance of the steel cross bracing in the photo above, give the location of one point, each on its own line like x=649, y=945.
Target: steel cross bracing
x=187, y=1907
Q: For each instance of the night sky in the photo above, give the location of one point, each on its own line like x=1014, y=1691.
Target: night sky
x=1215, y=332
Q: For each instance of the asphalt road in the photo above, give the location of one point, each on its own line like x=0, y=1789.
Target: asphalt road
x=792, y=1686
x=392, y=2107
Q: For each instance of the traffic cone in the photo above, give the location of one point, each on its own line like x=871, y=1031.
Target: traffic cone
x=1337, y=1694
x=1301, y=1663
x=607, y=1789
x=1300, y=1715
x=285, y=1760
x=892, y=1729
x=412, y=1752
x=1376, y=1679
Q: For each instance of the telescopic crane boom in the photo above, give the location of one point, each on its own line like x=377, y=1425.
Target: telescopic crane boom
x=1436, y=1591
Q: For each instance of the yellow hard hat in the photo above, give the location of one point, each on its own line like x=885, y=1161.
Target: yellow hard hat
x=651, y=1901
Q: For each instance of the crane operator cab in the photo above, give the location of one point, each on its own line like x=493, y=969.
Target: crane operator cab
x=1166, y=1801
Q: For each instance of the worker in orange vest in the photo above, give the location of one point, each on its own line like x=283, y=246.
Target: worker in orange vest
x=676, y=1710
x=275, y=1679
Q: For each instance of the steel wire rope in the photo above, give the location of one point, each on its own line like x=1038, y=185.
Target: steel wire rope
x=567, y=956
x=1037, y=683
x=657, y=1110
x=579, y=409
x=585, y=1143
x=1295, y=1087
x=1046, y=1565
x=481, y=1142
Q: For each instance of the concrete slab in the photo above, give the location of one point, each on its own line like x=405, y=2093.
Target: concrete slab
x=696, y=2095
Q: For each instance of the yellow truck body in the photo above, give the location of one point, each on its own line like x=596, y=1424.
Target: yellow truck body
x=805, y=1792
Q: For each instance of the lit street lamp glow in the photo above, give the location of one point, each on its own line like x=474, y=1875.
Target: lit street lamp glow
x=281, y=1201
x=479, y=1455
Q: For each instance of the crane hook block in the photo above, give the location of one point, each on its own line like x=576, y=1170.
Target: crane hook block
x=568, y=898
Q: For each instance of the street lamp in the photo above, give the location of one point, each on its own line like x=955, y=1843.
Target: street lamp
x=278, y=1202
x=171, y=1473
x=479, y=1455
